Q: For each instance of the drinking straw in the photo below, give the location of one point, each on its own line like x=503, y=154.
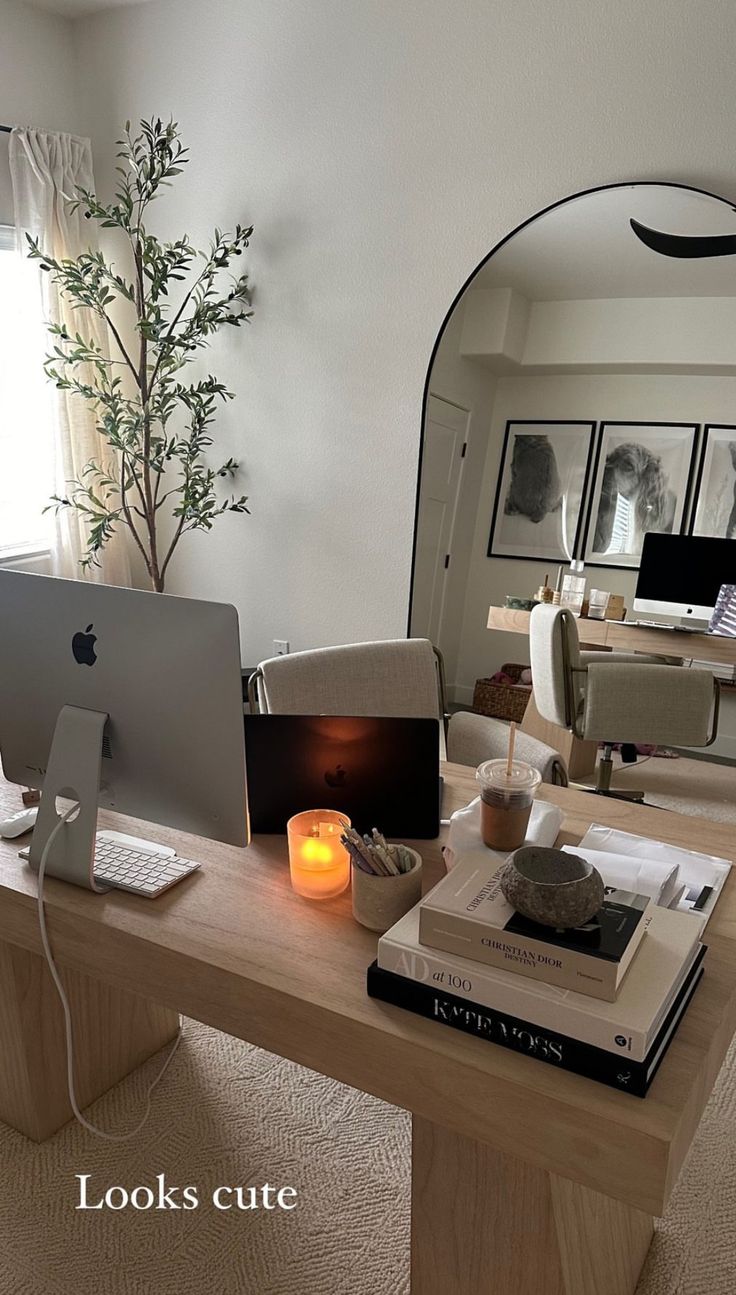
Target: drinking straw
x=510, y=761
x=510, y=758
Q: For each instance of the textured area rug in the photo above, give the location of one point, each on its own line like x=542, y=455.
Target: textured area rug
x=687, y=786
x=226, y=1114
x=230, y=1114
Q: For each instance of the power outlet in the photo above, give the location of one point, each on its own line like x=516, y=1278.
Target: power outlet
x=280, y=647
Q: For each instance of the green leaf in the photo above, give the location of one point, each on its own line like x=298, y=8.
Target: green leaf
x=168, y=303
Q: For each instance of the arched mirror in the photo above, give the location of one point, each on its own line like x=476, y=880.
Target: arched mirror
x=582, y=392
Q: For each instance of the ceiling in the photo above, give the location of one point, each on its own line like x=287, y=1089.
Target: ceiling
x=73, y=8
x=585, y=249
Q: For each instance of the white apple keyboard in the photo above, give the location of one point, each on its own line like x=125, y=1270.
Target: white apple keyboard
x=140, y=867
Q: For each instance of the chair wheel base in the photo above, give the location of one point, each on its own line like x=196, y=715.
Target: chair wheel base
x=634, y=797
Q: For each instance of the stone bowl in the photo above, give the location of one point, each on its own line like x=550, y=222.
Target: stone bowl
x=551, y=887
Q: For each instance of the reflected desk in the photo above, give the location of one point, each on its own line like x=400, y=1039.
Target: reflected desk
x=616, y=636
x=524, y=1178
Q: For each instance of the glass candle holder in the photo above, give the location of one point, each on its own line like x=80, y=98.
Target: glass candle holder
x=318, y=861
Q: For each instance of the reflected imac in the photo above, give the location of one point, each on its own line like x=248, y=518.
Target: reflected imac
x=124, y=699
x=681, y=575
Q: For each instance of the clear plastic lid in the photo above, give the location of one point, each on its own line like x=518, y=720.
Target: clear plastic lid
x=493, y=774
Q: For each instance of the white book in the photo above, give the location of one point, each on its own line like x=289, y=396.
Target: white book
x=627, y=1026
x=468, y=914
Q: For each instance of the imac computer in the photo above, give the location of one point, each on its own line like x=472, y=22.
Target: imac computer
x=681, y=575
x=123, y=699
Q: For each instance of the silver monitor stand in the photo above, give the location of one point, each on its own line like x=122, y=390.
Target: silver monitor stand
x=73, y=772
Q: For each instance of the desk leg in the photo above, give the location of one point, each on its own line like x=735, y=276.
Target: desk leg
x=579, y=756
x=114, y=1031
x=485, y=1223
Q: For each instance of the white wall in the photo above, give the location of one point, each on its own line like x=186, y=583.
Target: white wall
x=626, y=397
x=37, y=80
x=651, y=333
x=381, y=149
x=506, y=332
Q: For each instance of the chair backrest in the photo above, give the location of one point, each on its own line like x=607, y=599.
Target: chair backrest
x=399, y=677
x=555, y=653
x=471, y=739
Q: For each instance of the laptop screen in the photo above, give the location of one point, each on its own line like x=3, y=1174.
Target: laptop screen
x=380, y=771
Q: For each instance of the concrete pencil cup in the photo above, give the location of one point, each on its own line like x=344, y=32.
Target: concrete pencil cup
x=378, y=902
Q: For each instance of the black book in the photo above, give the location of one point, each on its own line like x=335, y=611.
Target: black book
x=511, y=1032
x=607, y=935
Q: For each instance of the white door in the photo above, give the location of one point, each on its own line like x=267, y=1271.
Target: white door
x=443, y=456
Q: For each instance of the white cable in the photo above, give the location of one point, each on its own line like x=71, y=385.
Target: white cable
x=100, y=1133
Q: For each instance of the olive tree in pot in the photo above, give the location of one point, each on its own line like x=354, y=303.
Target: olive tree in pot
x=157, y=425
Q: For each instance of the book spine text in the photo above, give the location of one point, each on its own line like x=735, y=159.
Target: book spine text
x=497, y=948
x=509, y=1032
x=443, y=973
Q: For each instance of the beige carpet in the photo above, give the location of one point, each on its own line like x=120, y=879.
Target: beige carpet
x=689, y=786
x=226, y=1114
x=230, y=1114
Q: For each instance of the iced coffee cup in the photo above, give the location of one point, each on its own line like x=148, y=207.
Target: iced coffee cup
x=506, y=802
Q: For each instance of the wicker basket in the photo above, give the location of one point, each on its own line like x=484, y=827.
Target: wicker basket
x=502, y=700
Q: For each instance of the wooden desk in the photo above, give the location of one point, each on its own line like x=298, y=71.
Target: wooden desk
x=607, y=636
x=622, y=636
x=524, y=1178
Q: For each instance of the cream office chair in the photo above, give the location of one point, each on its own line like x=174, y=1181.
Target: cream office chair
x=471, y=739
x=388, y=677
x=398, y=677
x=613, y=697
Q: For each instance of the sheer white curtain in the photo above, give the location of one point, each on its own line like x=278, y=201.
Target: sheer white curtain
x=46, y=170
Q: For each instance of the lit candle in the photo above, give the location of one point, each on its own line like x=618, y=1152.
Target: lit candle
x=319, y=862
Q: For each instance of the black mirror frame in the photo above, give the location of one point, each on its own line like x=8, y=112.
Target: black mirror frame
x=561, y=202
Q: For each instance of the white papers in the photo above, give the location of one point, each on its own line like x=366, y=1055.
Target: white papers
x=464, y=835
x=643, y=876
x=696, y=871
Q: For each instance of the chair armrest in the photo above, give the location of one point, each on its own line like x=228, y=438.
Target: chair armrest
x=649, y=703
x=254, y=700
x=471, y=739
x=622, y=658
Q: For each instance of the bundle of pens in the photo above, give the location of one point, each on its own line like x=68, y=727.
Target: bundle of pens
x=373, y=854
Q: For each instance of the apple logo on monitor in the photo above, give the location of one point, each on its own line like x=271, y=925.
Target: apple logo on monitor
x=336, y=777
x=83, y=647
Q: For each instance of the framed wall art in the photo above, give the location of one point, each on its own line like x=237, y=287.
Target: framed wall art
x=714, y=512
x=538, y=509
x=641, y=482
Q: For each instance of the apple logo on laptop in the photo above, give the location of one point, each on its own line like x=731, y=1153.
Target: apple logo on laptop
x=83, y=647
x=336, y=777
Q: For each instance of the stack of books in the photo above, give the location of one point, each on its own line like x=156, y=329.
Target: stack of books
x=602, y=1000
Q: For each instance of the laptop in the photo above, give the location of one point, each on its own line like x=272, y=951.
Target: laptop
x=380, y=772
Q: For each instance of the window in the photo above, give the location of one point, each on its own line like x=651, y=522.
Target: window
x=26, y=446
